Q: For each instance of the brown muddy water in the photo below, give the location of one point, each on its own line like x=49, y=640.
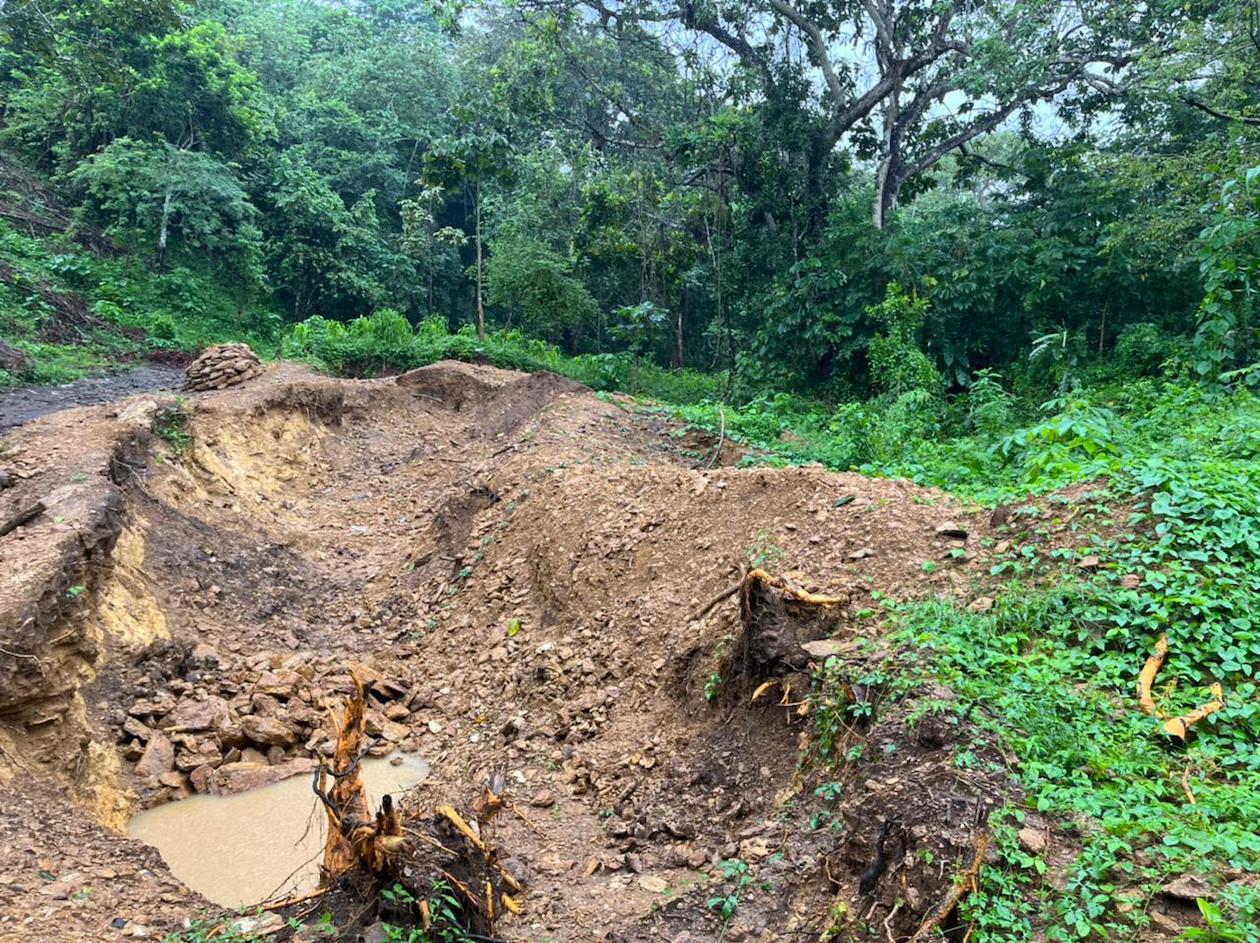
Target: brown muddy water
x=265, y=843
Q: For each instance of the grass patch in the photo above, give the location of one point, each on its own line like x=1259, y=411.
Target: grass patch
x=75, y=313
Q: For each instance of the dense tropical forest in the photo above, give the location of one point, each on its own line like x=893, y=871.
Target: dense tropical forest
x=837, y=200
x=999, y=248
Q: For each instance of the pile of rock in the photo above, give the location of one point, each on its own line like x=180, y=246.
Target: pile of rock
x=221, y=366
x=254, y=727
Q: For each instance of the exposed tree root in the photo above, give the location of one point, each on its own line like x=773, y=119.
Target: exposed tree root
x=1178, y=727
x=965, y=884
x=24, y=516
x=1146, y=677
x=778, y=619
x=758, y=575
x=1185, y=785
x=439, y=857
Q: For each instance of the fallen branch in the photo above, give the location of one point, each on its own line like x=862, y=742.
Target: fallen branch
x=448, y=813
x=300, y=899
x=12, y=654
x=22, y=517
x=1185, y=784
x=721, y=441
x=724, y=594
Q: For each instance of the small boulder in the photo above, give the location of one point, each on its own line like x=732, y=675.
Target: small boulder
x=158, y=758
x=138, y=730
x=1190, y=887
x=1032, y=840
x=824, y=648
x=278, y=684
x=952, y=530
x=195, y=716
x=396, y=711
x=393, y=732
x=205, y=656
x=544, y=799
x=270, y=731
x=157, y=707
x=201, y=778
x=232, y=778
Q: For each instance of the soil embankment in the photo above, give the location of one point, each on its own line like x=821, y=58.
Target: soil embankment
x=520, y=569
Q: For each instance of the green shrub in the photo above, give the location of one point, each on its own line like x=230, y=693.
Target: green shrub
x=1143, y=350
x=386, y=342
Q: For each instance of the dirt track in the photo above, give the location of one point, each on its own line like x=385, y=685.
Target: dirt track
x=30, y=402
x=517, y=563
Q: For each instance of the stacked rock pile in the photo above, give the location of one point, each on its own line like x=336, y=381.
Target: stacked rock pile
x=221, y=366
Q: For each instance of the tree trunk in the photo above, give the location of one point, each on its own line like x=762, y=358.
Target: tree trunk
x=678, y=337
x=164, y=228
x=481, y=309
x=888, y=184
x=891, y=173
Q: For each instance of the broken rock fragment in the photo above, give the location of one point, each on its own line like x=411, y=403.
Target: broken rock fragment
x=158, y=758
x=269, y=731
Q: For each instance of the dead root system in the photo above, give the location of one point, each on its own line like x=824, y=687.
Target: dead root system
x=434, y=868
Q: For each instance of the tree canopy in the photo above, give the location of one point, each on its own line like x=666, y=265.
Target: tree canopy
x=718, y=186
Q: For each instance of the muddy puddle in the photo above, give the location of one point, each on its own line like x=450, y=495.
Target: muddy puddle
x=265, y=843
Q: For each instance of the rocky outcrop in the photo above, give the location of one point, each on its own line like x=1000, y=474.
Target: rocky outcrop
x=209, y=723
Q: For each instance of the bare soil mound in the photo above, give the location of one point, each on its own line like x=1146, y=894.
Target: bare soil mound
x=540, y=587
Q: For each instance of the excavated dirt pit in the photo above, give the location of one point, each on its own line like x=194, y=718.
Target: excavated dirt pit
x=520, y=570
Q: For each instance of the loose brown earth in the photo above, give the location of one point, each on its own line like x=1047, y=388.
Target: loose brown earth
x=516, y=564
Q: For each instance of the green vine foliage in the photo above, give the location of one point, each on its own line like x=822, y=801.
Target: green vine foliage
x=1229, y=263
x=1172, y=510
x=897, y=363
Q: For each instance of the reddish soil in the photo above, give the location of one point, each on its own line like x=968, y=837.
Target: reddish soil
x=518, y=565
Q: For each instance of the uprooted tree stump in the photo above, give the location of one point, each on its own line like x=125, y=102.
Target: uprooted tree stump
x=780, y=622
x=448, y=872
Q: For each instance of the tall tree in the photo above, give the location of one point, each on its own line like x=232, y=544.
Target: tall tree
x=905, y=82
